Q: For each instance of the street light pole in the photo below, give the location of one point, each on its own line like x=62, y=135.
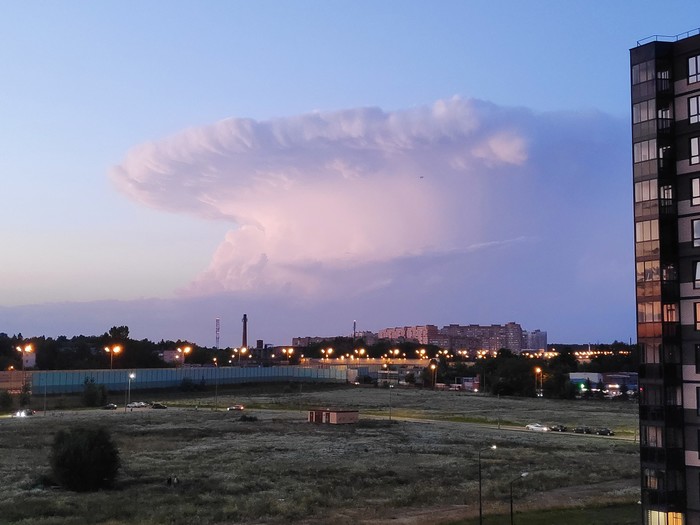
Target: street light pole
x=521, y=476
x=216, y=384
x=481, y=512
x=111, y=351
x=538, y=371
x=127, y=397
x=28, y=349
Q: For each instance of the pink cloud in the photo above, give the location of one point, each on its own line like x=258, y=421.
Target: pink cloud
x=332, y=191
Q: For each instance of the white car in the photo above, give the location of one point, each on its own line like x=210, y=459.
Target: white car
x=537, y=427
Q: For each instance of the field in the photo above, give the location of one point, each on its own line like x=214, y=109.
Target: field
x=419, y=467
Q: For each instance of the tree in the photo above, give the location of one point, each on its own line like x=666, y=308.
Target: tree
x=93, y=394
x=84, y=459
x=25, y=394
x=119, y=333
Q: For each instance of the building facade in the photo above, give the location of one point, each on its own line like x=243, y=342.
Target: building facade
x=665, y=85
x=469, y=337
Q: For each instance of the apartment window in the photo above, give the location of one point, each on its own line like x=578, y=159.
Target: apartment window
x=647, y=190
x=643, y=111
x=649, y=230
x=693, y=69
x=697, y=366
x=643, y=72
x=650, y=479
x=664, y=112
x=650, y=355
x=645, y=150
x=650, y=312
x=693, y=110
x=697, y=316
x=695, y=150
x=696, y=232
x=670, y=313
x=648, y=271
x=695, y=192
x=652, y=436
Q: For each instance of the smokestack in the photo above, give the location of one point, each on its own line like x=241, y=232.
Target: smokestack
x=244, y=343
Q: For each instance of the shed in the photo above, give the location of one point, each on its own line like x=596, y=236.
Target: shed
x=333, y=416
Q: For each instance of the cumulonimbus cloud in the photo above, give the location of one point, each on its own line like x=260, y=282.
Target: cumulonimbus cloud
x=313, y=198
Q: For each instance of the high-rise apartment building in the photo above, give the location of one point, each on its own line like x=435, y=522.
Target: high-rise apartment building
x=665, y=78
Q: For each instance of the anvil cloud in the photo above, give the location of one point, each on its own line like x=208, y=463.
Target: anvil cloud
x=320, y=193
x=462, y=211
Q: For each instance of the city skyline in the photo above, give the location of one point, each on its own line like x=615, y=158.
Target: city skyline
x=309, y=165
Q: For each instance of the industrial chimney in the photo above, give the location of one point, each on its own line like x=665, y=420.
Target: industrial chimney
x=244, y=343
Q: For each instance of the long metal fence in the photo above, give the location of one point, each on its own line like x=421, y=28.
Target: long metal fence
x=72, y=381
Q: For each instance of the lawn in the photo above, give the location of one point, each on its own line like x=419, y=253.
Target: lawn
x=280, y=469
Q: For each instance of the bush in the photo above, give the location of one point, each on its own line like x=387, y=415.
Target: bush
x=84, y=459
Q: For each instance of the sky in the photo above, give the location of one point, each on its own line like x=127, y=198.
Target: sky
x=314, y=163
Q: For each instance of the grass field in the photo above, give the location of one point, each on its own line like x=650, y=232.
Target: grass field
x=280, y=469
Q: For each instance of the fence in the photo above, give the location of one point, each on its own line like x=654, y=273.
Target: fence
x=71, y=381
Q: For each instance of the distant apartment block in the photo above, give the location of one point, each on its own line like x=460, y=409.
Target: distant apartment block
x=470, y=337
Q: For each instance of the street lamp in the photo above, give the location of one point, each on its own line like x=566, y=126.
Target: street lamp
x=481, y=514
x=24, y=351
x=112, y=352
x=184, y=351
x=433, y=368
x=521, y=476
x=28, y=349
x=127, y=398
x=216, y=384
x=538, y=391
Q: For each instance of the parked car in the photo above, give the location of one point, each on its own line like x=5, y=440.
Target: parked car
x=110, y=406
x=558, y=428
x=24, y=412
x=603, y=431
x=537, y=427
x=235, y=407
x=158, y=405
x=583, y=430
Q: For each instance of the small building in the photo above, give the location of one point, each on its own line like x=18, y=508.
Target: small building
x=333, y=416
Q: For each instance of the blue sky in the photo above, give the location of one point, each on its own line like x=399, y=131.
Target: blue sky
x=312, y=163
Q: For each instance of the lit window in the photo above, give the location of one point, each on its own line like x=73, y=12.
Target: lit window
x=649, y=230
x=696, y=232
x=695, y=150
x=670, y=313
x=697, y=316
x=695, y=192
x=693, y=69
x=648, y=271
x=693, y=110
